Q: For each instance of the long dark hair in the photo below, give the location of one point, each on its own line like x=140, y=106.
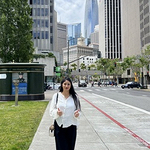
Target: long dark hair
x=71, y=92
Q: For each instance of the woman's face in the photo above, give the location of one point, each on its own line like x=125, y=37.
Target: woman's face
x=66, y=85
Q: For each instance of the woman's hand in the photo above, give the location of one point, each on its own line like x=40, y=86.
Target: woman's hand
x=59, y=112
x=76, y=113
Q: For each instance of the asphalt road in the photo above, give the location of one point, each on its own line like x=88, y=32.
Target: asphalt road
x=134, y=97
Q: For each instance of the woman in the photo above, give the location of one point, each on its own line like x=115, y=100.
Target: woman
x=65, y=111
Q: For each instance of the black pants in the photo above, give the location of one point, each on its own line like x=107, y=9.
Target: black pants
x=65, y=138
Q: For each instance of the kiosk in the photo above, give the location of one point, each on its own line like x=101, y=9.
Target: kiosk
x=30, y=77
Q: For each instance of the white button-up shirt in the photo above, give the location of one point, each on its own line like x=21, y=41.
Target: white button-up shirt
x=67, y=106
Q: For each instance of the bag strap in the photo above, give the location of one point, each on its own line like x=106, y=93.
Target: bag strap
x=57, y=98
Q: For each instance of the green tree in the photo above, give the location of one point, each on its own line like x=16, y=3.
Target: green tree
x=15, y=31
x=74, y=66
x=82, y=65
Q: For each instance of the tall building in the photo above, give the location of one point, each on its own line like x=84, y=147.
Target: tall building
x=131, y=45
x=91, y=17
x=42, y=12
x=62, y=40
x=74, y=32
x=145, y=23
x=110, y=42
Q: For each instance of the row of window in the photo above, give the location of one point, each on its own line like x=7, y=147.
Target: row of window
x=40, y=12
x=40, y=2
x=40, y=23
x=40, y=34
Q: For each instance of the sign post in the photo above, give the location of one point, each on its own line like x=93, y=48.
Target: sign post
x=16, y=83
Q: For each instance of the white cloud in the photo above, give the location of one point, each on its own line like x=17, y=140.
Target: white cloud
x=70, y=11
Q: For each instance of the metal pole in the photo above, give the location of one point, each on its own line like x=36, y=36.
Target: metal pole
x=68, y=60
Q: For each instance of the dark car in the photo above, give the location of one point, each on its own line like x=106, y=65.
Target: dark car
x=131, y=85
x=82, y=83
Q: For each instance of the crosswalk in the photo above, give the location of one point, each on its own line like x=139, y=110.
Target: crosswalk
x=97, y=89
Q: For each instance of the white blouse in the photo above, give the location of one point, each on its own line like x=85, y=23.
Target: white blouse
x=67, y=106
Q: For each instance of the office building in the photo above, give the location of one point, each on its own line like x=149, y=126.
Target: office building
x=131, y=44
x=144, y=22
x=43, y=14
x=91, y=17
x=74, y=32
x=61, y=40
x=110, y=36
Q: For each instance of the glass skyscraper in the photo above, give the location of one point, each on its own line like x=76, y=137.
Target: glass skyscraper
x=74, y=32
x=91, y=17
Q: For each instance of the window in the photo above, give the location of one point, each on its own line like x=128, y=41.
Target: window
x=51, y=29
x=46, y=2
x=42, y=11
x=34, y=12
x=38, y=35
x=38, y=23
x=38, y=11
x=42, y=23
x=46, y=34
x=128, y=72
x=51, y=19
x=38, y=2
x=42, y=35
x=34, y=34
x=30, y=2
x=34, y=23
x=34, y=1
x=46, y=23
x=46, y=11
x=42, y=2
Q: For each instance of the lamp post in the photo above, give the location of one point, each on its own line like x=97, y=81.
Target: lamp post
x=68, y=60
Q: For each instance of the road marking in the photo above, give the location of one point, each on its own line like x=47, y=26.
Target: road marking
x=144, y=111
x=118, y=123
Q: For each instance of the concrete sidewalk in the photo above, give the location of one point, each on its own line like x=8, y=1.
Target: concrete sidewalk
x=104, y=125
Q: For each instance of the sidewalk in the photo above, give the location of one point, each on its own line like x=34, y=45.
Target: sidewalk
x=104, y=125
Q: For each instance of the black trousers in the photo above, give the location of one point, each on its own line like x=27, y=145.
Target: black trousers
x=65, y=138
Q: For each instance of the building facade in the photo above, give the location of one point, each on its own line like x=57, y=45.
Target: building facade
x=110, y=36
x=144, y=6
x=61, y=40
x=95, y=35
x=75, y=52
x=91, y=17
x=131, y=44
x=74, y=32
x=42, y=12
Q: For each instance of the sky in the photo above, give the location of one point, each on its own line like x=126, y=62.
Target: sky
x=70, y=11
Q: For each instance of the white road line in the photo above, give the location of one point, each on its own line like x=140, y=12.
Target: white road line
x=139, y=109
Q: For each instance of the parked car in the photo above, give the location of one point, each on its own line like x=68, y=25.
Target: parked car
x=131, y=85
x=82, y=83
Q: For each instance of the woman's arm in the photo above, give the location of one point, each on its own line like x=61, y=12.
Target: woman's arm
x=53, y=107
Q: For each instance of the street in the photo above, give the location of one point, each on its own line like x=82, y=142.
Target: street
x=134, y=97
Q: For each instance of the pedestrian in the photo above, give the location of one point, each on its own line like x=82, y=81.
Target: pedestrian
x=66, y=112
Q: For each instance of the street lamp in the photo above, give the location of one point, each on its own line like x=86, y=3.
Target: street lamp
x=68, y=60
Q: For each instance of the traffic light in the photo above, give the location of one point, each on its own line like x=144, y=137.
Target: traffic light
x=147, y=73
x=115, y=64
x=79, y=70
